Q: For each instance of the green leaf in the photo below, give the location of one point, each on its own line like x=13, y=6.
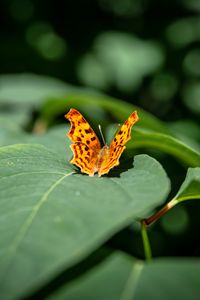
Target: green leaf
x=188, y=132
x=121, y=278
x=107, y=281
x=119, y=109
x=51, y=217
x=169, y=279
x=54, y=139
x=190, y=189
x=142, y=139
x=166, y=144
x=30, y=89
x=21, y=93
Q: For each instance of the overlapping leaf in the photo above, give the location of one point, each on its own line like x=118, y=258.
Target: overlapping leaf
x=190, y=189
x=122, y=278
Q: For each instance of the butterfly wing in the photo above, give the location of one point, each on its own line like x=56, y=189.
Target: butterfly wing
x=117, y=145
x=86, y=144
x=84, y=158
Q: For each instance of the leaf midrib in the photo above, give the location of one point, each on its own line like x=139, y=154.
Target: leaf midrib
x=30, y=173
x=26, y=225
x=132, y=280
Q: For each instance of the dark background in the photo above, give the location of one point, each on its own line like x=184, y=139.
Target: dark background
x=143, y=51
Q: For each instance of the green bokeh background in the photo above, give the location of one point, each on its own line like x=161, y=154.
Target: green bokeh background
x=144, y=51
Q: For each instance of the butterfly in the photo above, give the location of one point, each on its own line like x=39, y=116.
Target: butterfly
x=89, y=156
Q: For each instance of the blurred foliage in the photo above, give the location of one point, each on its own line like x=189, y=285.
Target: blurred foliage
x=144, y=51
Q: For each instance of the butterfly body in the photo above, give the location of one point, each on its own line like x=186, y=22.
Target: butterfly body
x=102, y=156
x=88, y=154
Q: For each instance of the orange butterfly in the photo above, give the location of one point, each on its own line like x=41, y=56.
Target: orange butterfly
x=88, y=154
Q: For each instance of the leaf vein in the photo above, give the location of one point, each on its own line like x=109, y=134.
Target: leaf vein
x=29, y=173
x=25, y=227
x=132, y=280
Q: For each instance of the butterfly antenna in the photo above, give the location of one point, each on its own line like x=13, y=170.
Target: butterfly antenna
x=102, y=134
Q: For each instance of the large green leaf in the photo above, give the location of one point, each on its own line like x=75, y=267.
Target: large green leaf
x=51, y=217
x=121, y=278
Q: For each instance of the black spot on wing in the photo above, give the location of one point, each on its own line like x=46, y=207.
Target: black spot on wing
x=89, y=130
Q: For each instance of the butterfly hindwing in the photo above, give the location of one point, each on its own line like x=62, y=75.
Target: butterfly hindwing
x=84, y=158
x=111, y=161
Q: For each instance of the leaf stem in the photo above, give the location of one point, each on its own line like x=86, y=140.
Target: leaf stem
x=145, y=239
x=161, y=212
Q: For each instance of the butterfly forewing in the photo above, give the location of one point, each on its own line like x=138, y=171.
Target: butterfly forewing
x=87, y=145
x=81, y=131
x=117, y=145
x=124, y=133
